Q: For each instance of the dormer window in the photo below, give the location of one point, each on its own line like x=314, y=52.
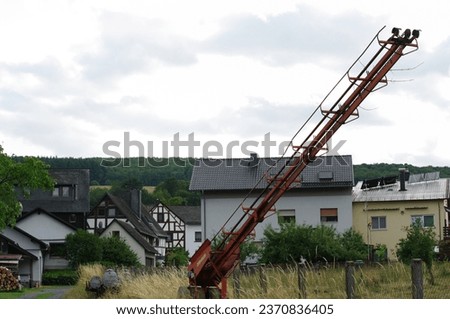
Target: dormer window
x=61, y=191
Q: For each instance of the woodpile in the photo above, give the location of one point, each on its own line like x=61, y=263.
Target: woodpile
x=7, y=280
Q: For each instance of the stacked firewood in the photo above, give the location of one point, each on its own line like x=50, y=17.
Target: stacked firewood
x=7, y=280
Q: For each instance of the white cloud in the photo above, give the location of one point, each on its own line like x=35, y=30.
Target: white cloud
x=74, y=75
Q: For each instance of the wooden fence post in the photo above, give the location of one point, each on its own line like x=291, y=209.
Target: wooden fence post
x=237, y=282
x=417, y=279
x=301, y=281
x=350, y=279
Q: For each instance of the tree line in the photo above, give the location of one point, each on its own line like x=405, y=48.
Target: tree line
x=153, y=171
x=170, y=177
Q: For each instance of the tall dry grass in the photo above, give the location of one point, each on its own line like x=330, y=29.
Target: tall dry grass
x=371, y=282
x=156, y=283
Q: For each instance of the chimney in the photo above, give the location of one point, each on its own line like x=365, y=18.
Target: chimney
x=135, y=201
x=404, y=176
x=254, y=160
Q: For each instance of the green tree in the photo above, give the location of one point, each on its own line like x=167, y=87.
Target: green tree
x=419, y=243
x=247, y=249
x=83, y=248
x=177, y=257
x=353, y=245
x=117, y=252
x=294, y=242
x=18, y=178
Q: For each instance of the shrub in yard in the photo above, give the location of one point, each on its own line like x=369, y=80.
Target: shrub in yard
x=66, y=277
x=116, y=251
x=419, y=243
x=177, y=257
x=83, y=248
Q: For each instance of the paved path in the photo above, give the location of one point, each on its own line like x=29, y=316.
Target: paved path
x=56, y=292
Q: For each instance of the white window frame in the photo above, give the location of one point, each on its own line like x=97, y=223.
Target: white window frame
x=286, y=214
x=422, y=219
x=378, y=223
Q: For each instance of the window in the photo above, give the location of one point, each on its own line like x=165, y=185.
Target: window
x=73, y=218
x=3, y=247
x=286, y=216
x=55, y=192
x=160, y=217
x=65, y=191
x=425, y=220
x=101, y=212
x=328, y=215
x=57, y=250
x=379, y=222
x=61, y=191
x=116, y=233
x=112, y=212
x=198, y=236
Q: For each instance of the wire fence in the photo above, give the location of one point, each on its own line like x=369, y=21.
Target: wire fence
x=375, y=281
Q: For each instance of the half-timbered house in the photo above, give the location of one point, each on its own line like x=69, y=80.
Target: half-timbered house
x=182, y=225
x=131, y=211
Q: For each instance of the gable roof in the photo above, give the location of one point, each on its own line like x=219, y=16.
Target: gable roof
x=135, y=235
x=43, y=211
x=41, y=243
x=145, y=224
x=242, y=174
x=189, y=214
x=17, y=247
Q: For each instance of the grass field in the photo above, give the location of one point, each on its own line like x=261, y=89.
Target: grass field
x=371, y=282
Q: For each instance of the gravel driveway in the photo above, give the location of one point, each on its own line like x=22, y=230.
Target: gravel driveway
x=56, y=292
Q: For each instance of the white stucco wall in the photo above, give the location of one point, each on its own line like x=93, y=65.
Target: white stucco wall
x=45, y=228
x=134, y=245
x=191, y=244
x=49, y=230
x=216, y=209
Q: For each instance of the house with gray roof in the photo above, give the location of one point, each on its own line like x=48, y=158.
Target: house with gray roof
x=130, y=211
x=145, y=252
x=322, y=196
x=384, y=207
x=48, y=216
x=69, y=199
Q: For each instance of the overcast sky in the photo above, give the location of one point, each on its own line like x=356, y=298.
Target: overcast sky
x=78, y=78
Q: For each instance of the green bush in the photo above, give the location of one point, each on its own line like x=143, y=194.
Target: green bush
x=116, y=251
x=65, y=277
x=177, y=257
x=315, y=244
x=86, y=248
x=83, y=248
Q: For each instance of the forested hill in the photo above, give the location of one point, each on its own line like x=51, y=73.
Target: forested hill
x=153, y=171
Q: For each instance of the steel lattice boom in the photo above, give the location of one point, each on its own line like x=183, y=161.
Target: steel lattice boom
x=211, y=267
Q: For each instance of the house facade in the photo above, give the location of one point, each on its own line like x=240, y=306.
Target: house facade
x=51, y=230
x=23, y=254
x=48, y=216
x=182, y=225
x=382, y=210
x=113, y=208
x=324, y=196
x=146, y=253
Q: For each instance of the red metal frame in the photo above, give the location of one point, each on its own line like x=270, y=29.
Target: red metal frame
x=211, y=268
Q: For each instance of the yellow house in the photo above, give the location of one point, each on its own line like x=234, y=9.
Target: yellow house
x=382, y=208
